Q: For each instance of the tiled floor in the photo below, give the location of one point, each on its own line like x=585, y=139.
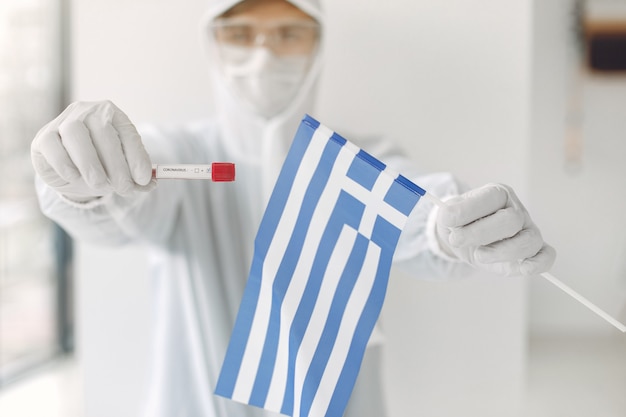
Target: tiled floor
x=54, y=391
x=566, y=378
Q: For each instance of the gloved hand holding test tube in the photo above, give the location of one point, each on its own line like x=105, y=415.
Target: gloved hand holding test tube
x=552, y=279
x=93, y=149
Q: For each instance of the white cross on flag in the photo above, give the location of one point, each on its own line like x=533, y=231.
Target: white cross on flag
x=318, y=278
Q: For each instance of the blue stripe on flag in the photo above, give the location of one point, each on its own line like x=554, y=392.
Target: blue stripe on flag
x=383, y=231
x=347, y=211
x=362, y=172
x=329, y=335
x=371, y=160
x=311, y=122
x=400, y=199
x=410, y=185
x=338, y=139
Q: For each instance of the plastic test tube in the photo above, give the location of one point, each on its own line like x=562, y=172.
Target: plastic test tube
x=217, y=171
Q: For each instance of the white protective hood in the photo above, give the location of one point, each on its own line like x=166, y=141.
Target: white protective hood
x=253, y=140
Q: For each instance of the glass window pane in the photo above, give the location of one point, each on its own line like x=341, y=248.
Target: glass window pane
x=30, y=94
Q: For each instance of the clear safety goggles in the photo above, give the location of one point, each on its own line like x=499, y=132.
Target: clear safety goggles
x=291, y=37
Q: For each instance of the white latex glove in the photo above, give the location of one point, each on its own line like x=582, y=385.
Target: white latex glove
x=90, y=150
x=489, y=228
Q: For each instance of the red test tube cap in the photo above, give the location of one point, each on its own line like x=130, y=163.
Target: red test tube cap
x=222, y=171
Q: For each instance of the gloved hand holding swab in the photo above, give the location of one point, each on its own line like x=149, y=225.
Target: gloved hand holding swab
x=559, y=284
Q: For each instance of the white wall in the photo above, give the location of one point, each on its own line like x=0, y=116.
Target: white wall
x=144, y=55
x=450, y=80
x=582, y=209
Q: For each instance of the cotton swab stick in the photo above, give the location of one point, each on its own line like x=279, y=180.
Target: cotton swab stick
x=560, y=285
x=584, y=301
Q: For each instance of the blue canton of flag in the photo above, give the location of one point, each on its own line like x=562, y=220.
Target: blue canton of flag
x=318, y=277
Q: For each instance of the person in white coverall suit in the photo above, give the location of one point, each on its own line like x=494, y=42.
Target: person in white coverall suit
x=94, y=179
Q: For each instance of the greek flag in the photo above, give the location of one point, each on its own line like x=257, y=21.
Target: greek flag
x=318, y=278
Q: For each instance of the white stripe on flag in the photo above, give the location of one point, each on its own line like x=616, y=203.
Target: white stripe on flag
x=350, y=320
x=295, y=290
x=254, y=348
x=319, y=316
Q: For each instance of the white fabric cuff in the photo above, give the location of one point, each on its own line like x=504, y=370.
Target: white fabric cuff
x=431, y=236
x=86, y=205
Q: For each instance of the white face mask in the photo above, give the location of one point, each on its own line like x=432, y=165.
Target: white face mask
x=265, y=82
